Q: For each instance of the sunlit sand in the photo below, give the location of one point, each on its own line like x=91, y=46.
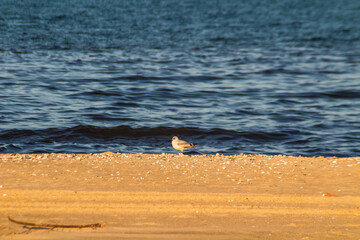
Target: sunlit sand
x=167, y=196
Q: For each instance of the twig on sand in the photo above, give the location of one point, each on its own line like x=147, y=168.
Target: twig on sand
x=45, y=225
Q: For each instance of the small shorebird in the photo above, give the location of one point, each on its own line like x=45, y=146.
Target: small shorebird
x=181, y=145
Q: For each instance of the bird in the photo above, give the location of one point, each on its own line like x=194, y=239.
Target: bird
x=181, y=145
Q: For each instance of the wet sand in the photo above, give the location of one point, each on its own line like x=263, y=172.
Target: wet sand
x=166, y=196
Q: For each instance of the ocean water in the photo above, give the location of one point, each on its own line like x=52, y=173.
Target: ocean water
x=269, y=77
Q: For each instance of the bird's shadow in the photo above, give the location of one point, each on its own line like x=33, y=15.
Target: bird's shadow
x=188, y=153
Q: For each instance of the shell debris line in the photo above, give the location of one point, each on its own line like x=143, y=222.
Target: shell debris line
x=220, y=173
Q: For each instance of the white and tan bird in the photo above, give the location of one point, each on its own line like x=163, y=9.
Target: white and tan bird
x=181, y=145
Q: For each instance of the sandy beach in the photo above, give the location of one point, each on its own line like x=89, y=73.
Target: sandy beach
x=167, y=196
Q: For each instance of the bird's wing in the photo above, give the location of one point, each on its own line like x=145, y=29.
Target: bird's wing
x=184, y=143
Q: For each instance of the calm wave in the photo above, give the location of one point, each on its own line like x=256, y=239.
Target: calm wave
x=277, y=77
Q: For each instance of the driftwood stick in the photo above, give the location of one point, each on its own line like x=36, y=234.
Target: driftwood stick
x=45, y=225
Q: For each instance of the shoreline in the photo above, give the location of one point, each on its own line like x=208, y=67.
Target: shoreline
x=162, y=196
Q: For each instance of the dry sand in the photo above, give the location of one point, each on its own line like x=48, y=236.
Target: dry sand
x=146, y=196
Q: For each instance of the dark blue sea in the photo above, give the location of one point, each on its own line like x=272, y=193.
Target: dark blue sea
x=234, y=76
